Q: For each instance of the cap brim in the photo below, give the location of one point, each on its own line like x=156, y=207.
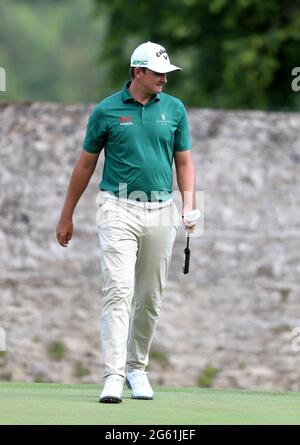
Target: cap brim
x=158, y=68
x=164, y=69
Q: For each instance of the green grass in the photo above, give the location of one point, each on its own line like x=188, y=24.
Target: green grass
x=48, y=404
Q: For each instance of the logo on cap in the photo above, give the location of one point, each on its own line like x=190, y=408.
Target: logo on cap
x=162, y=52
x=140, y=62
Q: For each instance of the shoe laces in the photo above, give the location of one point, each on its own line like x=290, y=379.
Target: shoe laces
x=138, y=372
x=111, y=380
x=140, y=377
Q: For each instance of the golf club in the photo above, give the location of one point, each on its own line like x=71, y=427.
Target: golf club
x=190, y=217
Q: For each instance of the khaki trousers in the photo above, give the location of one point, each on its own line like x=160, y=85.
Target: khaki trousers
x=135, y=249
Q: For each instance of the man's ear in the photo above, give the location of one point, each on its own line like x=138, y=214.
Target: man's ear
x=138, y=72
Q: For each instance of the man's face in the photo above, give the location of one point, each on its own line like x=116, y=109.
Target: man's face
x=151, y=81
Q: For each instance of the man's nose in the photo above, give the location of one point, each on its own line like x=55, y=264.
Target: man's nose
x=164, y=78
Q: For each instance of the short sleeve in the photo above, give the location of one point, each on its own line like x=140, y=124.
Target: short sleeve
x=96, y=132
x=182, y=139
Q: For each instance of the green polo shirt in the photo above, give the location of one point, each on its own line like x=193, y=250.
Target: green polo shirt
x=139, y=143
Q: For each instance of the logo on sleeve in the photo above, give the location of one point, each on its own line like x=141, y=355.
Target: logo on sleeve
x=125, y=120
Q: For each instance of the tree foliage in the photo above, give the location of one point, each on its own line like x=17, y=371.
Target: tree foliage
x=235, y=53
x=49, y=49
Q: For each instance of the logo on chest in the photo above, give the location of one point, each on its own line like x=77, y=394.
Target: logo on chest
x=125, y=120
x=163, y=119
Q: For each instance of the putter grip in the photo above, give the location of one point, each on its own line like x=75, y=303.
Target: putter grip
x=186, y=264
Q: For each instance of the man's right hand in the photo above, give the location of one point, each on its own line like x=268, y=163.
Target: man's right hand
x=81, y=175
x=64, y=231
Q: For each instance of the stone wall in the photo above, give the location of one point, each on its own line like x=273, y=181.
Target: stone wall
x=228, y=323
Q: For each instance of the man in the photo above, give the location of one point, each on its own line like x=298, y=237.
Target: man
x=142, y=130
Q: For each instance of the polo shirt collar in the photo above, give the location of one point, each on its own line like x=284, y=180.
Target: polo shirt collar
x=127, y=97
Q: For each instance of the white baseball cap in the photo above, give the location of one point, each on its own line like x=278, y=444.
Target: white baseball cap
x=153, y=56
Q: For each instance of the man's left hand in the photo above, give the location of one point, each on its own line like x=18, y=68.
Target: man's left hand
x=190, y=220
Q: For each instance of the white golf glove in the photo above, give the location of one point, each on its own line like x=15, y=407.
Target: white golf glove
x=190, y=219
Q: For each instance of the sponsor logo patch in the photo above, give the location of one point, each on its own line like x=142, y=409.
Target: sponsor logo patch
x=125, y=120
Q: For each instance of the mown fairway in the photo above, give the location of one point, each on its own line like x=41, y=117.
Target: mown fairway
x=46, y=404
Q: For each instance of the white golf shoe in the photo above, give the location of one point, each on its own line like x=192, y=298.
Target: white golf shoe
x=137, y=381
x=113, y=390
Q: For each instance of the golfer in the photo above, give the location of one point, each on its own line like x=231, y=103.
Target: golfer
x=141, y=130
